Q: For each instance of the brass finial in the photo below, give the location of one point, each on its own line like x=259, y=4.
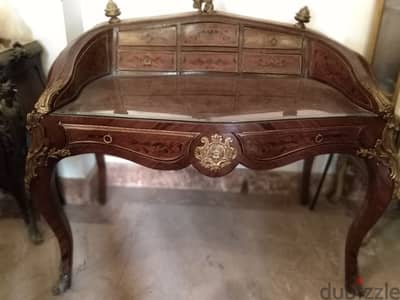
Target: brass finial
x=204, y=6
x=112, y=11
x=303, y=17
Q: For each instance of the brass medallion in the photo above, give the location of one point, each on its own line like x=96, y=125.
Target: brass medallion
x=217, y=153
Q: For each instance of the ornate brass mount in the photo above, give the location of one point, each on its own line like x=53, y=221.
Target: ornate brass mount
x=386, y=150
x=39, y=152
x=217, y=153
x=303, y=17
x=45, y=102
x=204, y=6
x=40, y=158
x=112, y=11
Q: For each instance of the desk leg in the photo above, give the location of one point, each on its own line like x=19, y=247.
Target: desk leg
x=102, y=178
x=379, y=195
x=53, y=213
x=306, y=180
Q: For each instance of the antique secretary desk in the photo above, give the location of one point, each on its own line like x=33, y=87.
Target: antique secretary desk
x=212, y=90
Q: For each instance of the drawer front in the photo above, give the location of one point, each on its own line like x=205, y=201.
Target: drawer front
x=210, y=34
x=209, y=61
x=255, y=38
x=148, y=37
x=153, y=144
x=147, y=60
x=289, y=64
x=277, y=144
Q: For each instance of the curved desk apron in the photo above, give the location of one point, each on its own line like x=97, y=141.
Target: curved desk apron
x=211, y=90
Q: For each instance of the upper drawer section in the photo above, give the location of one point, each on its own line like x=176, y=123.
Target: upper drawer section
x=209, y=61
x=257, y=38
x=289, y=64
x=165, y=36
x=210, y=34
x=140, y=60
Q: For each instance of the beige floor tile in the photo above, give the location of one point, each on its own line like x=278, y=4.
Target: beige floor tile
x=190, y=245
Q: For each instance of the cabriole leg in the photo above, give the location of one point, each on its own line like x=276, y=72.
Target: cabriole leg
x=379, y=195
x=51, y=210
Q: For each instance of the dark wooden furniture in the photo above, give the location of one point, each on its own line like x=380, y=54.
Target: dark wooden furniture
x=211, y=90
x=22, y=82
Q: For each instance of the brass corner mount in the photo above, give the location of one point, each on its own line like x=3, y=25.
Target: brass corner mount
x=303, y=17
x=112, y=11
x=386, y=150
x=204, y=6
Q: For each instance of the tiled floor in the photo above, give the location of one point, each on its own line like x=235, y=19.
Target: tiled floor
x=165, y=244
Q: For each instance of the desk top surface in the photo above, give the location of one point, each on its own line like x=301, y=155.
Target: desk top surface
x=217, y=98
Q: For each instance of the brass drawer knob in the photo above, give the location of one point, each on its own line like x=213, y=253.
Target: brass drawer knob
x=319, y=138
x=274, y=41
x=147, y=61
x=107, y=139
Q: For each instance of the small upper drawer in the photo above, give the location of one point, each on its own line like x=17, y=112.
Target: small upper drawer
x=271, y=63
x=256, y=38
x=209, y=61
x=141, y=60
x=165, y=36
x=210, y=34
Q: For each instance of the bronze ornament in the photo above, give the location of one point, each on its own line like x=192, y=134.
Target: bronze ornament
x=39, y=158
x=217, y=153
x=44, y=104
x=204, y=6
x=386, y=151
x=112, y=11
x=39, y=152
x=385, y=105
x=303, y=17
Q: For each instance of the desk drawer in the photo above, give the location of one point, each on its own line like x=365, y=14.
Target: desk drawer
x=277, y=144
x=139, y=60
x=209, y=61
x=271, y=63
x=154, y=144
x=148, y=37
x=210, y=34
x=256, y=38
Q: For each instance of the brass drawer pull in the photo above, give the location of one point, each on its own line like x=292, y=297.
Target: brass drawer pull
x=274, y=42
x=107, y=139
x=147, y=61
x=319, y=138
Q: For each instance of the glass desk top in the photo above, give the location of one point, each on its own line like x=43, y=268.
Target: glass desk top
x=210, y=98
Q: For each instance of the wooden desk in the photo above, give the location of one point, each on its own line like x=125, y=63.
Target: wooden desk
x=212, y=91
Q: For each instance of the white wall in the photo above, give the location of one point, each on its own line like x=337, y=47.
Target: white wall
x=73, y=19
x=46, y=20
